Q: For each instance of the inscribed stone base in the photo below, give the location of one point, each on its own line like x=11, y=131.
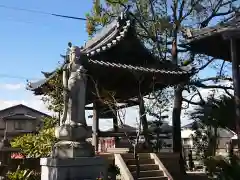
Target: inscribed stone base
x=71, y=149
x=84, y=168
x=69, y=132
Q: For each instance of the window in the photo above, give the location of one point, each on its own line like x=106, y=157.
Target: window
x=2, y=124
x=19, y=125
x=186, y=141
x=11, y=113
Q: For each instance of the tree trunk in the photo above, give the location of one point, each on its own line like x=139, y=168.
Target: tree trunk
x=177, y=108
x=215, y=144
x=176, y=122
x=158, y=144
x=143, y=119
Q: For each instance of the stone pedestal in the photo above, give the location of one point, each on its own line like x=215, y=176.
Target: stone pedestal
x=73, y=158
x=72, y=142
x=83, y=168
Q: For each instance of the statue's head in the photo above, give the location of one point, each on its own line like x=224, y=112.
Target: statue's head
x=75, y=53
x=76, y=50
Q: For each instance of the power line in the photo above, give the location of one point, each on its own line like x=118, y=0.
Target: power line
x=42, y=12
x=16, y=77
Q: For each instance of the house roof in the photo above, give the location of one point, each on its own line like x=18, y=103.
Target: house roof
x=116, y=59
x=223, y=132
x=27, y=107
x=188, y=126
x=210, y=40
x=165, y=127
x=233, y=24
x=19, y=116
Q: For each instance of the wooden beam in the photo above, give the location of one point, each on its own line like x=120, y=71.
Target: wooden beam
x=115, y=134
x=88, y=108
x=122, y=134
x=107, y=110
x=118, y=107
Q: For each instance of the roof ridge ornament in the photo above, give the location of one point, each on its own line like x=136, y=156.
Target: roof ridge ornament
x=125, y=12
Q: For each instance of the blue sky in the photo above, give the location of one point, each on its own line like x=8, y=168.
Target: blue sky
x=32, y=42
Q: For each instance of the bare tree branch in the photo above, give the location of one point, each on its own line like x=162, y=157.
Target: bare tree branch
x=200, y=103
x=228, y=93
x=221, y=69
x=190, y=11
x=215, y=12
x=200, y=85
x=155, y=28
x=217, y=78
x=205, y=65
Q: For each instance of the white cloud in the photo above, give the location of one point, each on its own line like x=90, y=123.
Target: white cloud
x=13, y=87
x=31, y=101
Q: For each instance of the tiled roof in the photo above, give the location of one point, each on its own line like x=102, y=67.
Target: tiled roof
x=35, y=85
x=231, y=25
x=107, y=38
x=136, y=68
x=110, y=36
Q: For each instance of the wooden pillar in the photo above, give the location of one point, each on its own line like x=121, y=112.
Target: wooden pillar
x=115, y=126
x=95, y=126
x=236, y=84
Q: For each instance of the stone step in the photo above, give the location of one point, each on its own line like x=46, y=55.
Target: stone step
x=150, y=173
x=143, y=167
x=131, y=156
x=153, y=178
x=141, y=161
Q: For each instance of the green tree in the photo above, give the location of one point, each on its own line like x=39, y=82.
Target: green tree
x=214, y=114
x=157, y=107
x=53, y=97
x=39, y=144
x=224, y=168
x=156, y=129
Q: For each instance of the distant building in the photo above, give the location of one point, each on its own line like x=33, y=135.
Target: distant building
x=106, y=143
x=224, y=137
x=20, y=119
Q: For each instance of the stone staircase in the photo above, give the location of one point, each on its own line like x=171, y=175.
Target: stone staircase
x=148, y=169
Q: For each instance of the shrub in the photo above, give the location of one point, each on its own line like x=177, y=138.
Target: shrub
x=23, y=174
